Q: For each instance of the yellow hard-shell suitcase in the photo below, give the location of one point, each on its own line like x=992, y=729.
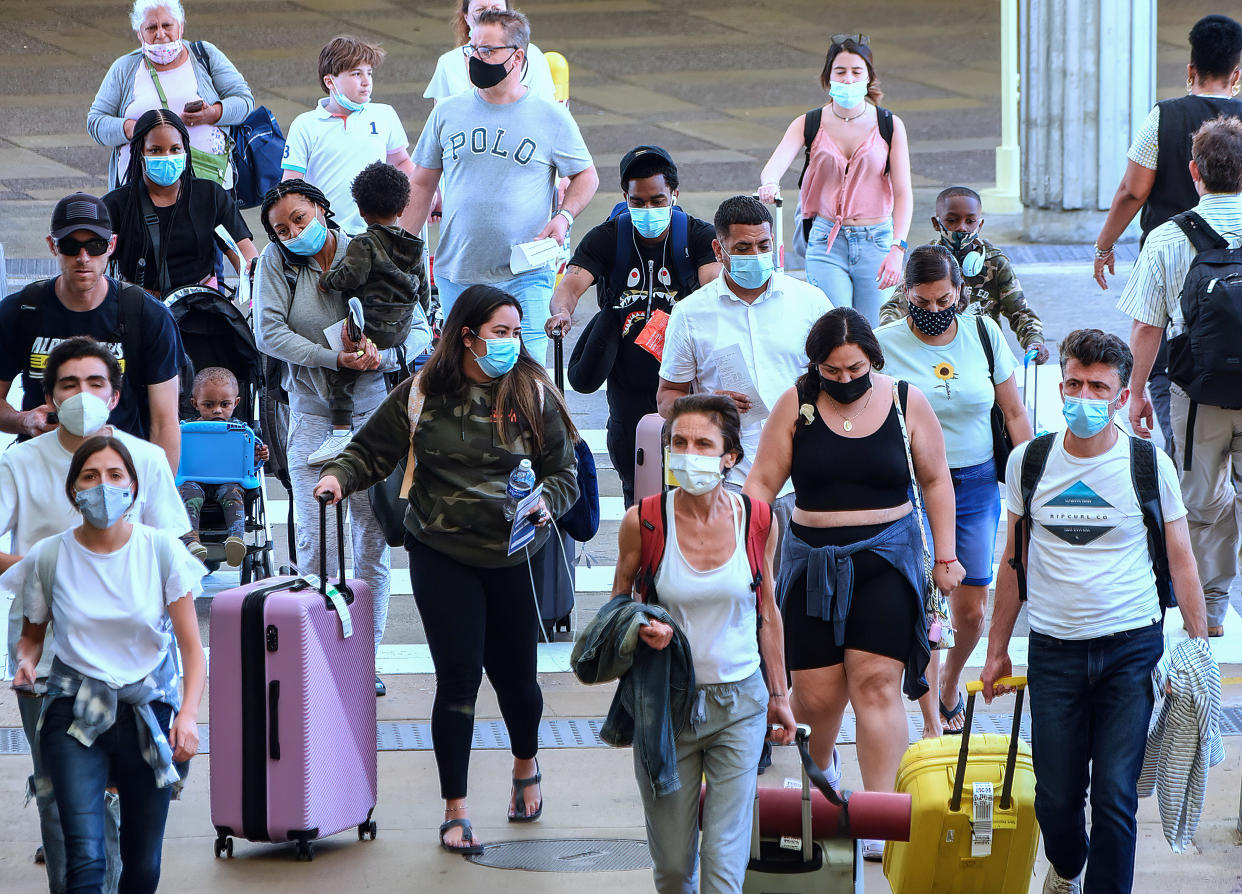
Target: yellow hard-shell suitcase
x=972, y=826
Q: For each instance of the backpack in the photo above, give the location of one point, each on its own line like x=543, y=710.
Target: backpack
x=1205, y=359
x=653, y=529
x=258, y=145
x=679, y=238
x=1146, y=488
x=132, y=301
x=810, y=127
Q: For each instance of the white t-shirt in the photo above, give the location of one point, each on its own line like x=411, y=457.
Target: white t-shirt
x=1089, y=571
x=955, y=379
x=33, y=504
x=109, y=609
x=707, y=326
x=330, y=151
x=452, y=75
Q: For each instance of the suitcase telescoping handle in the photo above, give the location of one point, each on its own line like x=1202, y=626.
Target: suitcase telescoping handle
x=811, y=773
x=558, y=353
x=973, y=688
x=341, y=586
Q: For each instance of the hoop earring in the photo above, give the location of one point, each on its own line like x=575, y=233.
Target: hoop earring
x=1189, y=85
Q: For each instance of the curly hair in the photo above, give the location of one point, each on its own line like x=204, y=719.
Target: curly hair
x=1215, y=46
x=380, y=191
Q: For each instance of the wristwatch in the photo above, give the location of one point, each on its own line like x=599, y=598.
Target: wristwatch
x=900, y=244
x=569, y=217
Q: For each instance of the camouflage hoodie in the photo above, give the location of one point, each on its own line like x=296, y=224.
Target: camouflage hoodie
x=993, y=291
x=457, y=499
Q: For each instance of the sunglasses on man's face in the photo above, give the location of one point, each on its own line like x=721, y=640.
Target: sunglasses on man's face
x=71, y=247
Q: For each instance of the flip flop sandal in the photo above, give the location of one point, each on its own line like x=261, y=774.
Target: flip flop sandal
x=519, y=814
x=951, y=715
x=467, y=835
x=1216, y=631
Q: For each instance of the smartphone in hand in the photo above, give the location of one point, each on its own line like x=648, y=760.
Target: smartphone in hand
x=195, y=106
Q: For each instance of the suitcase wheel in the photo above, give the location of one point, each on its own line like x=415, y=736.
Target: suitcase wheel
x=224, y=845
x=306, y=852
x=367, y=830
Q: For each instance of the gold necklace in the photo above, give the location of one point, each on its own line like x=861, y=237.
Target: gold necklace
x=848, y=424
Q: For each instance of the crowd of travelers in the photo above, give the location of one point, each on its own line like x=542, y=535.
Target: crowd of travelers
x=840, y=446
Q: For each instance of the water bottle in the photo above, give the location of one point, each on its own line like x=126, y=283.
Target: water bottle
x=521, y=483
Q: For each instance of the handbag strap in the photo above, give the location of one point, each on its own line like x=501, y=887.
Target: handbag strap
x=414, y=409
x=914, y=482
x=155, y=79
x=152, y=221
x=987, y=349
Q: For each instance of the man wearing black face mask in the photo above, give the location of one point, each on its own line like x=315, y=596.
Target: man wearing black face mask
x=500, y=150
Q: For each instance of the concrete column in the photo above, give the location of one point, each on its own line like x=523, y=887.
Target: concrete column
x=1088, y=81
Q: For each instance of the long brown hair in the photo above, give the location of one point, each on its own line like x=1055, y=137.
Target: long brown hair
x=89, y=448
x=520, y=393
x=461, y=29
x=863, y=50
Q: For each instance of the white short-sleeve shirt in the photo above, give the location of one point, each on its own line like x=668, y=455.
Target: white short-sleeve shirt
x=330, y=151
x=770, y=332
x=1089, y=570
x=452, y=75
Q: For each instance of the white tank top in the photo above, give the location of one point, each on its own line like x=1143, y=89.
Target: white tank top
x=715, y=608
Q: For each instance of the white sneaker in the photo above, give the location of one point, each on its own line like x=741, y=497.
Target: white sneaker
x=872, y=850
x=332, y=445
x=1054, y=884
x=833, y=771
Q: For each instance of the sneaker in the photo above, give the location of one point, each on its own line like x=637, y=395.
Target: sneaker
x=872, y=850
x=332, y=445
x=380, y=689
x=1054, y=884
x=833, y=771
x=234, y=550
x=197, y=550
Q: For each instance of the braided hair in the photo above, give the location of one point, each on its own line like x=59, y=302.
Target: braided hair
x=129, y=255
x=295, y=187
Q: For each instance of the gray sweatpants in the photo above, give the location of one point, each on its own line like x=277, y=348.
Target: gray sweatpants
x=722, y=744
x=371, y=556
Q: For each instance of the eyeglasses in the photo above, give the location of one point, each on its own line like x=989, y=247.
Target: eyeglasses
x=94, y=247
x=861, y=39
x=485, y=52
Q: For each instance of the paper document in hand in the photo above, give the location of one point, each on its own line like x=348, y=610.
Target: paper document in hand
x=527, y=256
x=735, y=376
x=523, y=530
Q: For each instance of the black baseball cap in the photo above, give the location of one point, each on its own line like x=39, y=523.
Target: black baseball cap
x=627, y=160
x=81, y=211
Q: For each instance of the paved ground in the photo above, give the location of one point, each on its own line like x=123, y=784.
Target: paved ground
x=715, y=84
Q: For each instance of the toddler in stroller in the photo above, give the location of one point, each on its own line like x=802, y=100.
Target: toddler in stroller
x=215, y=397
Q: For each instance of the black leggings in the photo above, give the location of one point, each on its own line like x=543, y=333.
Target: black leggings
x=477, y=619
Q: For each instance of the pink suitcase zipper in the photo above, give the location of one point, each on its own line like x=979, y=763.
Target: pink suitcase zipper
x=292, y=702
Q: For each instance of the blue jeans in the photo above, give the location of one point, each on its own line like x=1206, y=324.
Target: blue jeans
x=846, y=272
x=1091, y=701
x=978, y=514
x=79, y=775
x=532, y=290
x=49, y=817
x=721, y=746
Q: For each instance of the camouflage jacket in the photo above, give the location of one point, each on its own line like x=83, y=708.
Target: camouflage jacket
x=462, y=471
x=994, y=291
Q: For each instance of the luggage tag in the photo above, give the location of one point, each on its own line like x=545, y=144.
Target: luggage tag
x=333, y=595
x=981, y=820
x=790, y=843
x=651, y=339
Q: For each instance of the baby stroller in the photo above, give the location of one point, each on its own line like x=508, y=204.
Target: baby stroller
x=214, y=332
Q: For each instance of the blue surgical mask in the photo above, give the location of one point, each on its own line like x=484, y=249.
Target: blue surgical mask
x=750, y=271
x=164, y=169
x=651, y=222
x=103, y=505
x=346, y=103
x=309, y=241
x=501, y=355
x=1087, y=416
x=847, y=95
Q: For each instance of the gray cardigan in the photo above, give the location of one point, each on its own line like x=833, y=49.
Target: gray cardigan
x=105, y=121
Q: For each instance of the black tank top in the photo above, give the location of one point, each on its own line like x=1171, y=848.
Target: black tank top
x=832, y=473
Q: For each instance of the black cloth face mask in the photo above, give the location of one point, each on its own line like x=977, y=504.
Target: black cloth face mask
x=487, y=74
x=932, y=323
x=846, y=392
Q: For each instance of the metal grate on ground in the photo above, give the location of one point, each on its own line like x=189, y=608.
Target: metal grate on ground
x=566, y=855
x=583, y=732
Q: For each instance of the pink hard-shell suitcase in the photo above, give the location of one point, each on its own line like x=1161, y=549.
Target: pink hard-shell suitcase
x=293, y=755
x=649, y=474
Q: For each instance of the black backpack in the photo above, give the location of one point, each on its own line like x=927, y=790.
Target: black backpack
x=1146, y=488
x=1205, y=359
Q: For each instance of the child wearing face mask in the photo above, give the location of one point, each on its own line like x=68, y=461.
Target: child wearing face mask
x=991, y=286
x=215, y=397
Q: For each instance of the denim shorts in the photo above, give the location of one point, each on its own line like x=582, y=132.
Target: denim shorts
x=978, y=514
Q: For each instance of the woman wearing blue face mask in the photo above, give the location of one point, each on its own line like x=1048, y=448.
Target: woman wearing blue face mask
x=294, y=316
x=117, y=711
x=479, y=407
x=855, y=201
x=165, y=217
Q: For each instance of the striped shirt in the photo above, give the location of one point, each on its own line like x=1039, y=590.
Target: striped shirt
x=1154, y=291
x=1184, y=739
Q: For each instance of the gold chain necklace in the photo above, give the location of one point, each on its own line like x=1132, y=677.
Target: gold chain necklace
x=848, y=424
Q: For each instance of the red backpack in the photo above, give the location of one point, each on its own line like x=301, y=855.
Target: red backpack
x=653, y=528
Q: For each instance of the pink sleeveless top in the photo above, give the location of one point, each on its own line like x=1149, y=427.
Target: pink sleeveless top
x=837, y=188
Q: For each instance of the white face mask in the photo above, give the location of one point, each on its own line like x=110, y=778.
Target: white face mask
x=83, y=414
x=695, y=473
